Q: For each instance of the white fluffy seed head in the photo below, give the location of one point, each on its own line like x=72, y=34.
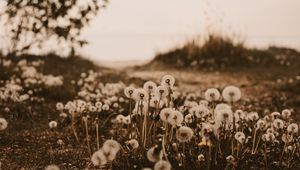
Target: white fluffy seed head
x=168, y=81
x=231, y=94
x=162, y=165
x=184, y=134
x=212, y=94
x=3, y=124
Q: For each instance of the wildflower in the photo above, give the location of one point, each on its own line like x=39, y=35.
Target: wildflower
x=212, y=94
x=105, y=107
x=92, y=109
x=127, y=120
x=129, y=91
x=293, y=128
x=286, y=114
x=184, y=134
x=176, y=118
x=156, y=102
x=268, y=137
x=52, y=167
x=252, y=116
x=165, y=114
x=278, y=124
x=141, y=95
x=168, y=81
x=59, y=106
x=133, y=143
x=223, y=116
x=203, y=103
x=201, y=111
x=154, y=154
x=3, y=124
x=150, y=86
x=201, y=158
x=52, y=124
x=261, y=124
x=239, y=115
x=98, y=158
x=120, y=118
x=240, y=137
x=161, y=91
x=162, y=165
x=111, y=145
x=231, y=94
x=286, y=138
x=275, y=115
x=188, y=118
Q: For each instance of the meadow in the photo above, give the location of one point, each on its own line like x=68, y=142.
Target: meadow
x=68, y=113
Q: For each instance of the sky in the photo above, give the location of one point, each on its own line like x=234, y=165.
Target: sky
x=139, y=29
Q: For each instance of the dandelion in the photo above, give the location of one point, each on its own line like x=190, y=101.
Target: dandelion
x=176, y=118
x=268, y=137
x=133, y=143
x=161, y=91
x=286, y=114
x=120, y=118
x=188, y=118
x=240, y=137
x=168, y=81
x=201, y=158
x=212, y=94
x=162, y=165
x=231, y=94
x=98, y=158
x=275, y=115
x=129, y=91
x=111, y=145
x=286, y=138
x=203, y=103
x=292, y=128
x=59, y=106
x=223, y=116
x=239, y=114
x=92, y=109
x=261, y=124
x=105, y=107
x=278, y=124
x=52, y=167
x=184, y=134
x=141, y=95
x=3, y=124
x=154, y=154
x=52, y=124
x=201, y=111
x=150, y=86
x=165, y=114
x=127, y=120
x=252, y=116
x=156, y=102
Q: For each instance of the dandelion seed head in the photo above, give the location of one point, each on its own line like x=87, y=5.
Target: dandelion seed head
x=165, y=114
x=184, y=134
x=212, y=94
x=98, y=158
x=168, y=81
x=176, y=118
x=3, y=124
x=162, y=165
x=292, y=128
x=52, y=124
x=231, y=94
x=154, y=154
x=52, y=167
x=150, y=86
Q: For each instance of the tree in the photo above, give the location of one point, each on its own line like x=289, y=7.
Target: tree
x=30, y=23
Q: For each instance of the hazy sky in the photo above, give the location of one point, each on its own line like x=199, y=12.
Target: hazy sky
x=139, y=29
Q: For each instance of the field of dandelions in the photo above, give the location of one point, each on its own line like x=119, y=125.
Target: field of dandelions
x=54, y=117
